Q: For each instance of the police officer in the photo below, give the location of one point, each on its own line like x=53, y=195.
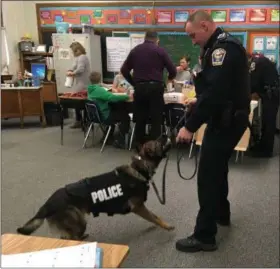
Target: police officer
x=265, y=85
x=148, y=61
x=223, y=102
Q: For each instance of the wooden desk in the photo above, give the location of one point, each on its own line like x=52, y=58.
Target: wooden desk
x=20, y=102
x=49, y=92
x=242, y=144
x=113, y=255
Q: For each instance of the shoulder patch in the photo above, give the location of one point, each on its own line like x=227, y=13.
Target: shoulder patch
x=252, y=66
x=222, y=36
x=218, y=57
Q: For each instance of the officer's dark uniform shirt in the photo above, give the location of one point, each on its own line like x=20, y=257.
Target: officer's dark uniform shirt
x=263, y=73
x=108, y=193
x=148, y=62
x=224, y=78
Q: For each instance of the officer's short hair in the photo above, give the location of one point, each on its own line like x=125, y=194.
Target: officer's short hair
x=95, y=77
x=199, y=15
x=151, y=35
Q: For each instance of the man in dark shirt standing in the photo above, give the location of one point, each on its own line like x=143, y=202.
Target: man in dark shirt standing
x=148, y=61
x=223, y=102
x=265, y=85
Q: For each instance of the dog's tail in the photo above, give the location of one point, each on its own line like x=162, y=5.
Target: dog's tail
x=33, y=224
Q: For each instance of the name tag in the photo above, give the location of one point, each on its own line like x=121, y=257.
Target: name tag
x=107, y=194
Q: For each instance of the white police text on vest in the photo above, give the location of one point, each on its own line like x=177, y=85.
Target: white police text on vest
x=107, y=193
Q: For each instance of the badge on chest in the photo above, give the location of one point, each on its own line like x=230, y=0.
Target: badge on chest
x=107, y=193
x=252, y=66
x=218, y=57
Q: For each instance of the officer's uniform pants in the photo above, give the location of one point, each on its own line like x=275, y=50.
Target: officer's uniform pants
x=148, y=108
x=212, y=178
x=269, y=114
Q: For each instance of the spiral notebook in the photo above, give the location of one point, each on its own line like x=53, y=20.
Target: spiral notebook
x=81, y=256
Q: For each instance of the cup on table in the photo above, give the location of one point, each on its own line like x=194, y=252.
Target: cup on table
x=169, y=87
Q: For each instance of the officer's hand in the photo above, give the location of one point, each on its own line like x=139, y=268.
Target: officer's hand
x=184, y=136
x=255, y=96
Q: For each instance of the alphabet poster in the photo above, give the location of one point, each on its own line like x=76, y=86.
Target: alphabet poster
x=259, y=43
x=271, y=43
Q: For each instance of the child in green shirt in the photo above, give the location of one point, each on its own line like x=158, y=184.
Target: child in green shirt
x=103, y=98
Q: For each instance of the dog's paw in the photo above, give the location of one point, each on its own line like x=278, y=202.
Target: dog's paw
x=85, y=236
x=169, y=228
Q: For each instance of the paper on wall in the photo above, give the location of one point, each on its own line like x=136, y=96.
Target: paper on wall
x=117, y=50
x=81, y=40
x=135, y=41
x=258, y=43
x=271, y=43
x=63, y=54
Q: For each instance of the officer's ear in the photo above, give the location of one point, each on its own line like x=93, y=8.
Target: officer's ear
x=204, y=26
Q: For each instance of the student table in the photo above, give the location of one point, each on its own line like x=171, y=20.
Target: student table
x=113, y=255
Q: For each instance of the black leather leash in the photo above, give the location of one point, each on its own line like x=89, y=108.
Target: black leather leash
x=180, y=157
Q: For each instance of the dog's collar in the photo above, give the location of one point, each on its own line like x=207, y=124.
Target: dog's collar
x=147, y=175
x=135, y=172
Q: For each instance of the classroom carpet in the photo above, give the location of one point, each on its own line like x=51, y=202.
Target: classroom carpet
x=34, y=164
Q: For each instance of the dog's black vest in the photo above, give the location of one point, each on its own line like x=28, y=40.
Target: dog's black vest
x=109, y=193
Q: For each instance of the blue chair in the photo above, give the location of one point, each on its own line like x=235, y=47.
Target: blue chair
x=94, y=117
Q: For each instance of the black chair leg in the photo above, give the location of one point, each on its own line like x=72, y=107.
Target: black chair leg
x=61, y=124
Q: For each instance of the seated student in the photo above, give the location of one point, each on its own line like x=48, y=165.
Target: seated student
x=183, y=73
x=120, y=84
x=103, y=97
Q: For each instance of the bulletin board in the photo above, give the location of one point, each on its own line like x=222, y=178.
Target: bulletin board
x=168, y=18
x=267, y=44
x=158, y=16
x=241, y=36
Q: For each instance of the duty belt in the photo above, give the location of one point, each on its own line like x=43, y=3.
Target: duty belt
x=149, y=82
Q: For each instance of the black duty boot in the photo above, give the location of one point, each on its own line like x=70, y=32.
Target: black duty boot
x=191, y=244
x=223, y=222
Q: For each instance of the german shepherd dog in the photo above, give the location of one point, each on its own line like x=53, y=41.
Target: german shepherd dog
x=66, y=209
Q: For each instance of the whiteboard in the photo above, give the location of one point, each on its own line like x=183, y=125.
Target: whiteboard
x=117, y=50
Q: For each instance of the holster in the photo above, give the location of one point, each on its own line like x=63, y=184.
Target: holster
x=228, y=116
x=224, y=118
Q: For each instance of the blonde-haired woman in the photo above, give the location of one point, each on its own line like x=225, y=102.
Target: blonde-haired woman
x=80, y=71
